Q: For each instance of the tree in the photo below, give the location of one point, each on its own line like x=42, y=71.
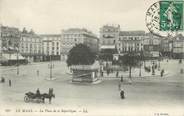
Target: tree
x=130, y=60
x=81, y=55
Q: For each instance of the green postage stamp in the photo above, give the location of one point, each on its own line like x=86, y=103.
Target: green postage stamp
x=171, y=15
x=165, y=17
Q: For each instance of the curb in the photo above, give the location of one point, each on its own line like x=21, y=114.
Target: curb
x=87, y=83
x=152, y=76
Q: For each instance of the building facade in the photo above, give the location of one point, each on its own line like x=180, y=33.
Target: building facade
x=0, y=46
x=124, y=41
x=10, y=38
x=51, y=46
x=151, y=45
x=73, y=36
x=31, y=46
x=9, y=46
x=166, y=46
x=109, y=35
x=178, y=47
x=0, y=43
x=130, y=41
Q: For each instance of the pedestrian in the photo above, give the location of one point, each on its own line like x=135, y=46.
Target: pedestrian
x=117, y=74
x=122, y=94
x=37, y=72
x=2, y=79
x=155, y=66
x=37, y=93
x=162, y=72
x=107, y=65
x=119, y=86
x=181, y=70
x=180, y=61
x=51, y=94
x=102, y=73
x=153, y=70
x=108, y=71
x=121, y=78
x=10, y=83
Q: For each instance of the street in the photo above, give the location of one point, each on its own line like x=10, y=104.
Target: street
x=153, y=92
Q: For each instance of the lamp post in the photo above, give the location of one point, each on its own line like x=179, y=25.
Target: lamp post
x=17, y=61
x=140, y=71
x=159, y=64
x=153, y=68
x=141, y=54
x=51, y=66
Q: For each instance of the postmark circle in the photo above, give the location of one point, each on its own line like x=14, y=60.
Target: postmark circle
x=165, y=18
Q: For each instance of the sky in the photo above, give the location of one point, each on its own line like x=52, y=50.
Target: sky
x=51, y=16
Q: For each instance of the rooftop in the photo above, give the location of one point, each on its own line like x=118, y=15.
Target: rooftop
x=111, y=26
x=9, y=31
x=30, y=35
x=132, y=33
x=179, y=37
x=6, y=28
x=108, y=47
x=79, y=31
x=50, y=35
x=151, y=36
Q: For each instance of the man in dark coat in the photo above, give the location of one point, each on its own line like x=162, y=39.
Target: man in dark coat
x=37, y=93
x=2, y=79
x=122, y=94
x=9, y=83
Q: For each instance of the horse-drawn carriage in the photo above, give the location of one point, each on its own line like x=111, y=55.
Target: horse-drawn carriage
x=38, y=98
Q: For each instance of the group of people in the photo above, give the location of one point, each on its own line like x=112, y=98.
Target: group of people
x=108, y=71
x=9, y=81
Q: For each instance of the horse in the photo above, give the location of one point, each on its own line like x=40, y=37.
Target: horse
x=48, y=96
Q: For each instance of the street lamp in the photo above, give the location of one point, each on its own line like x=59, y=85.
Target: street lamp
x=159, y=64
x=51, y=66
x=141, y=54
x=17, y=61
x=153, y=68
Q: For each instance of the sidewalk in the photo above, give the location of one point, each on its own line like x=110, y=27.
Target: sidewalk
x=135, y=74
